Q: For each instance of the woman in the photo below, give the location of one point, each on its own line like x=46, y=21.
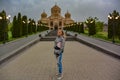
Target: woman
x=59, y=48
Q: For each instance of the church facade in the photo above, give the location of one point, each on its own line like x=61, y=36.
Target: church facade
x=55, y=20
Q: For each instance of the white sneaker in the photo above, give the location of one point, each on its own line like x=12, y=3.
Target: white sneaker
x=60, y=77
x=57, y=74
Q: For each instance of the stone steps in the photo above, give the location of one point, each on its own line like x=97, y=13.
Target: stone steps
x=52, y=35
x=52, y=38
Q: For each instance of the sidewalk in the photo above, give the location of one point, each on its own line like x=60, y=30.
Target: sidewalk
x=106, y=47
x=80, y=62
x=12, y=47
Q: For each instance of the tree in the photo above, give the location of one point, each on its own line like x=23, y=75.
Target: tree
x=38, y=27
x=119, y=28
x=24, y=26
x=19, y=25
x=30, y=26
x=3, y=27
x=34, y=30
x=14, y=28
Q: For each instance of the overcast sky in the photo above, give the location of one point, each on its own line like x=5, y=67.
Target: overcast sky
x=79, y=9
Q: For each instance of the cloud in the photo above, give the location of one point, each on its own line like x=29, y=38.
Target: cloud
x=79, y=9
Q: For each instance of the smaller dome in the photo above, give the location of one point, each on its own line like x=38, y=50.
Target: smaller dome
x=43, y=15
x=67, y=15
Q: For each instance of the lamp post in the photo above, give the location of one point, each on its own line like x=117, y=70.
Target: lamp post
x=26, y=22
x=81, y=27
x=24, y=32
x=89, y=23
x=8, y=18
x=34, y=27
x=0, y=29
x=113, y=18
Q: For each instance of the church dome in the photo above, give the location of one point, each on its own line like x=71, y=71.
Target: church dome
x=67, y=15
x=55, y=9
x=44, y=15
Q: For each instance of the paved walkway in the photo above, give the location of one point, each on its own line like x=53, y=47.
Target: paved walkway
x=80, y=62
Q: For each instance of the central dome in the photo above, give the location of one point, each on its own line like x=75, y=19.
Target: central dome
x=55, y=9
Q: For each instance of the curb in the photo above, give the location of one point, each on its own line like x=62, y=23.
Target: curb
x=20, y=49
x=97, y=47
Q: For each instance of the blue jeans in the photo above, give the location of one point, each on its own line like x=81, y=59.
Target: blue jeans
x=60, y=63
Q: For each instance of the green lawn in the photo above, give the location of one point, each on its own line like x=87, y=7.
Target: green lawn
x=9, y=32
x=9, y=26
x=9, y=35
x=102, y=35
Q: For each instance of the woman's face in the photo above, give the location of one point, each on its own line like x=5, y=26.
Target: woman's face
x=59, y=33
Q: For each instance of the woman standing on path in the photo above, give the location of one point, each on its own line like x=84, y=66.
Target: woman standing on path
x=58, y=51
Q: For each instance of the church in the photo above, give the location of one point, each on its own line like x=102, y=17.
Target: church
x=55, y=20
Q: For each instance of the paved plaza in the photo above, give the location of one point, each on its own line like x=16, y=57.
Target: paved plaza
x=80, y=62
x=29, y=38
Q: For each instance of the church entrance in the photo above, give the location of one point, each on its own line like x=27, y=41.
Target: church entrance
x=56, y=27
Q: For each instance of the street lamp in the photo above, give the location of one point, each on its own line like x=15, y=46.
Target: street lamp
x=28, y=22
x=8, y=17
x=26, y=26
x=91, y=26
x=88, y=21
x=0, y=17
x=113, y=18
x=23, y=22
x=33, y=23
x=91, y=21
